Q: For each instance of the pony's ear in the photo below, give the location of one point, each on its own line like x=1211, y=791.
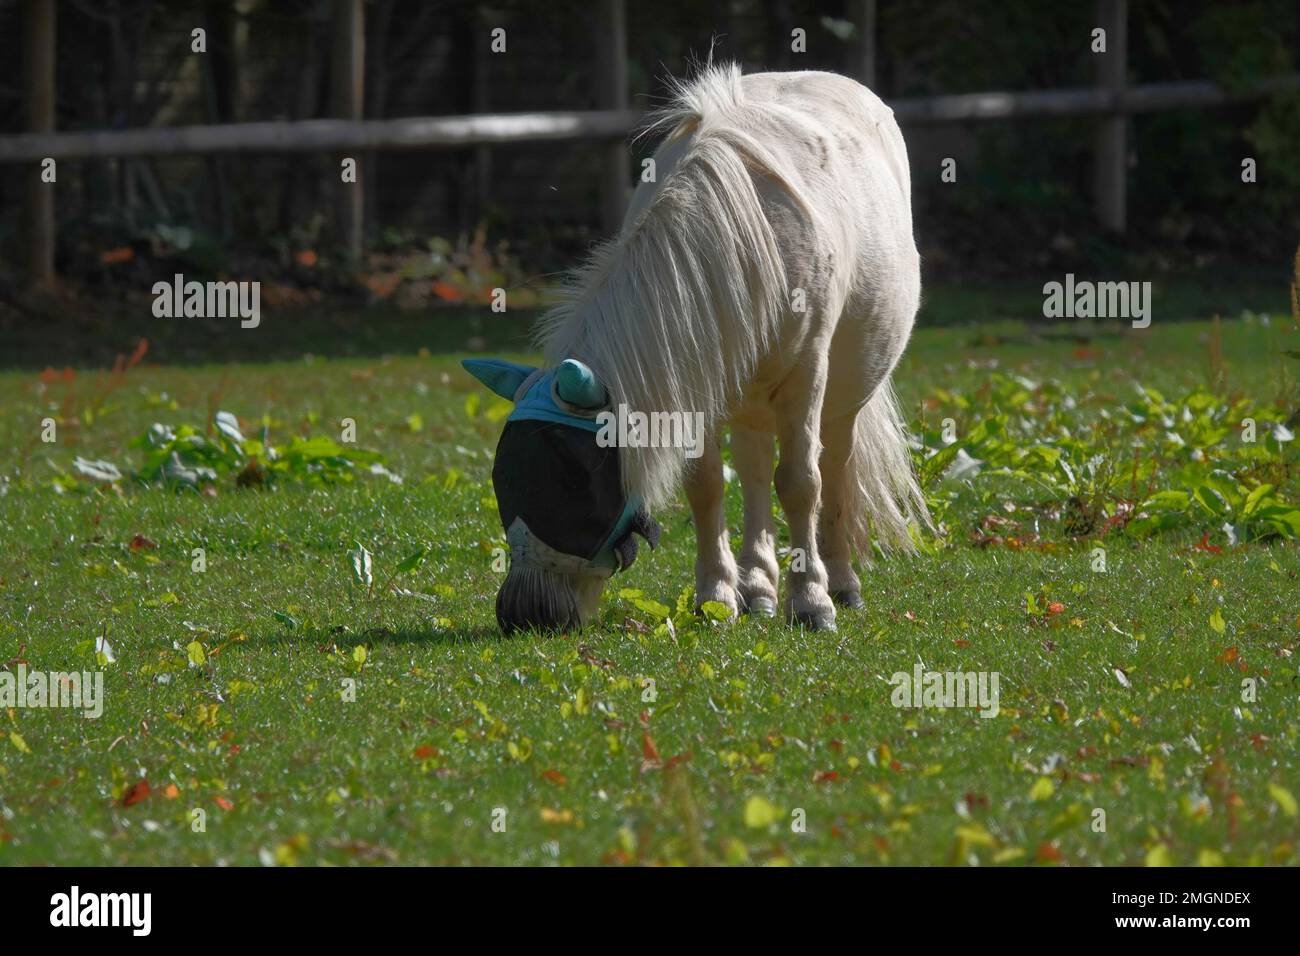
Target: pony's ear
x=502, y=377
x=577, y=385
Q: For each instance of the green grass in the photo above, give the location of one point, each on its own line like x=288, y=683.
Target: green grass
x=751, y=721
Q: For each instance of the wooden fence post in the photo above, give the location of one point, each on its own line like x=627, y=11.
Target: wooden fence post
x=863, y=50
x=38, y=96
x=1110, y=149
x=611, y=79
x=347, y=71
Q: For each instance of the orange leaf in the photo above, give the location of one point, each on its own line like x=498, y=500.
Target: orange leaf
x=555, y=777
x=1204, y=544
x=119, y=254
x=171, y=791
x=306, y=257
x=426, y=752
x=135, y=793
x=648, y=748
x=140, y=543
x=141, y=348
x=223, y=803
x=1048, y=853
x=447, y=292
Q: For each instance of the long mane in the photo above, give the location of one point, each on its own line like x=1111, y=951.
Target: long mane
x=674, y=314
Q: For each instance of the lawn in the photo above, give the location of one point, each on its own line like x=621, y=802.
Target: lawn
x=1148, y=712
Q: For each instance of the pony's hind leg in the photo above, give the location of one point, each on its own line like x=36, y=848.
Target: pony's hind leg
x=832, y=528
x=754, y=452
x=798, y=407
x=715, y=568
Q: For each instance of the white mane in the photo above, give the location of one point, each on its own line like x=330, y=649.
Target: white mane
x=674, y=314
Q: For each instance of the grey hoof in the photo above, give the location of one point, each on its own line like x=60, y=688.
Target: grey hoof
x=760, y=607
x=816, y=621
x=849, y=599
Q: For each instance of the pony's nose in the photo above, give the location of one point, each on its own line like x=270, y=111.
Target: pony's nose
x=512, y=618
x=534, y=600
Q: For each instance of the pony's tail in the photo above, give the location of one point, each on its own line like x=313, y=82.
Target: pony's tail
x=882, y=498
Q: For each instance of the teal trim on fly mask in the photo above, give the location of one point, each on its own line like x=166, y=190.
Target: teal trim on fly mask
x=567, y=394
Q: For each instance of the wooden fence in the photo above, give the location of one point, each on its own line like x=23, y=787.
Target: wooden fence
x=1110, y=102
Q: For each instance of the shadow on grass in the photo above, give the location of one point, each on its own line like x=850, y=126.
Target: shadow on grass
x=95, y=338
x=324, y=638
x=62, y=333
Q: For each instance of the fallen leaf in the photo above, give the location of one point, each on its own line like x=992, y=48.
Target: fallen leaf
x=1042, y=789
x=1284, y=799
x=1159, y=855
x=1204, y=545
x=135, y=793
x=759, y=813
x=648, y=749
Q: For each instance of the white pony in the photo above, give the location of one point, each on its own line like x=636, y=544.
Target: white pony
x=768, y=279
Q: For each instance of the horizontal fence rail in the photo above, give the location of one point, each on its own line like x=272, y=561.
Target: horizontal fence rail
x=309, y=136
x=1081, y=101
x=452, y=132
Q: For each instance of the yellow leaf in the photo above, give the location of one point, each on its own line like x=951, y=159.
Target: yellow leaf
x=759, y=813
x=735, y=852
x=1208, y=857
x=16, y=739
x=1283, y=798
x=1042, y=789
x=1159, y=855
x=975, y=835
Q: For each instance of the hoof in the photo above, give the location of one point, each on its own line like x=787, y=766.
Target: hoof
x=849, y=599
x=816, y=620
x=760, y=607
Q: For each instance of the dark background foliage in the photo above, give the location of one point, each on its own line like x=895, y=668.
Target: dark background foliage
x=1021, y=205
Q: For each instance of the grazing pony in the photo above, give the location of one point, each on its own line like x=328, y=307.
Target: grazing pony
x=766, y=278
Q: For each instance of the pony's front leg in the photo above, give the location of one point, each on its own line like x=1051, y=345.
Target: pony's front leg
x=798, y=406
x=715, y=568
